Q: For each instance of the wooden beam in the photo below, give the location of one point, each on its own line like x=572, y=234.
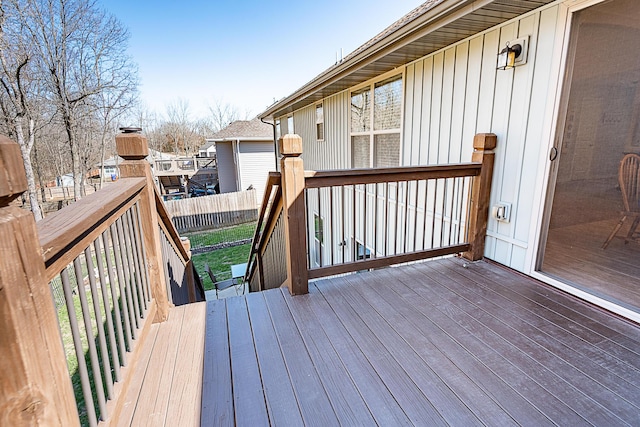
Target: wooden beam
x=293, y=184
x=483, y=144
x=379, y=175
x=133, y=148
x=35, y=387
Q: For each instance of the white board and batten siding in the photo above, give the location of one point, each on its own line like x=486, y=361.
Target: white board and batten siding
x=227, y=175
x=457, y=92
x=256, y=159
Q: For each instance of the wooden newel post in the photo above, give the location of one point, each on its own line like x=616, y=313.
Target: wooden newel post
x=483, y=144
x=35, y=387
x=292, y=178
x=133, y=148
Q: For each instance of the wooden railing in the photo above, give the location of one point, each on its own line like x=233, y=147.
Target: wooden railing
x=367, y=218
x=121, y=265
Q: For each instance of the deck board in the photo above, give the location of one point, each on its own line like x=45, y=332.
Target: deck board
x=217, y=401
x=167, y=382
x=424, y=344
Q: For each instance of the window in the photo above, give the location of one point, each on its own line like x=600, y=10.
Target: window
x=319, y=123
x=278, y=132
x=375, y=124
x=290, y=125
x=318, y=226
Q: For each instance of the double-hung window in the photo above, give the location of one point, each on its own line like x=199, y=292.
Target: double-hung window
x=376, y=111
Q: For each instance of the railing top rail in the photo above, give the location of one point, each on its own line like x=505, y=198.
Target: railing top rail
x=317, y=179
x=165, y=221
x=273, y=180
x=63, y=234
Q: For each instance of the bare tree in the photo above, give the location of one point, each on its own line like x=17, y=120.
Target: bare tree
x=80, y=46
x=223, y=113
x=16, y=83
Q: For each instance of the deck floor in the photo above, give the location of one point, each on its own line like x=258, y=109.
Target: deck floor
x=425, y=344
x=166, y=388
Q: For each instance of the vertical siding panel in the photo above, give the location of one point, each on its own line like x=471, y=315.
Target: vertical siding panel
x=407, y=127
x=472, y=96
x=416, y=114
x=446, y=105
x=436, y=101
x=425, y=127
x=459, y=106
x=541, y=60
x=500, y=126
x=488, y=80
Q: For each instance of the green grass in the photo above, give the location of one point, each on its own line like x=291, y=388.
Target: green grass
x=220, y=262
x=229, y=234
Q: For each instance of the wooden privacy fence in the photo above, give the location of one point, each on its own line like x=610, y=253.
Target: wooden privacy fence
x=121, y=264
x=316, y=224
x=216, y=211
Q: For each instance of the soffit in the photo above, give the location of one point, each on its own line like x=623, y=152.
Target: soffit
x=446, y=23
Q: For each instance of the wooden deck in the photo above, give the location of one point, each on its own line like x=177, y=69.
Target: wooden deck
x=426, y=344
x=166, y=387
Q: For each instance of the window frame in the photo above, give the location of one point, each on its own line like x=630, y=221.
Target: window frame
x=372, y=132
x=320, y=122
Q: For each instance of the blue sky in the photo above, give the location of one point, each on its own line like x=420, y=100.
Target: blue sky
x=246, y=53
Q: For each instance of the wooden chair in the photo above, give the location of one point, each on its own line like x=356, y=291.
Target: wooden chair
x=221, y=285
x=629, y=180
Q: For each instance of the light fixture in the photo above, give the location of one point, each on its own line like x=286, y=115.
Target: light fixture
x=513, y=54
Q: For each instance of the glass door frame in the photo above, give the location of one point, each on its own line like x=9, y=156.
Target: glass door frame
x=562, y=65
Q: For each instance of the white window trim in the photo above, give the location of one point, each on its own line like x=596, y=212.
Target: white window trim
x=321, y=105
x=371, y=84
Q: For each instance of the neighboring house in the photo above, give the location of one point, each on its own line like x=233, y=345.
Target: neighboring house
x=564, y=115
x=245, y=155
x=208, y=149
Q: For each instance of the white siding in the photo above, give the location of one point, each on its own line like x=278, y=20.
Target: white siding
x=457, y=92
x=256, y=159
x=226, y=167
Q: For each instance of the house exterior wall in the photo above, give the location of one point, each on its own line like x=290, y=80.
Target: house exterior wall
x=255, y=160
x=227, y=175
x=451, y=95
x=457, y=92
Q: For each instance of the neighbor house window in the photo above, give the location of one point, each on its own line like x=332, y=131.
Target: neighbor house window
x=278, y=132
x=290, y=125
x=319, y=123
x=318, y=238
x=375, y=124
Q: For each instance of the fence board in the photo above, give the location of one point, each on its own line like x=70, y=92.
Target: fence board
x=207, y=212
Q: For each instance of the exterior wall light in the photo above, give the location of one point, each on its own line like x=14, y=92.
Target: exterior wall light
x=513, y=54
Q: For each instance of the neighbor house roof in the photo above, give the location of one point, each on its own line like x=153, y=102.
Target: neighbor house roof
x=430, y=27
x=251, y=130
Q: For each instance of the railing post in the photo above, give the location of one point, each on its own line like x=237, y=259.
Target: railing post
x=133, y=148
x=292, y=177
x=483, y=143
x=188, y=271
x=35, y=385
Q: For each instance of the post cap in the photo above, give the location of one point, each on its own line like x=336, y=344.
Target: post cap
x=132, y=145
x=485, y=141
x=13, y=179
x=290, y=145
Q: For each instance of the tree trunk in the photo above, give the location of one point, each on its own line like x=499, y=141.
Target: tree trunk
x=25, y=148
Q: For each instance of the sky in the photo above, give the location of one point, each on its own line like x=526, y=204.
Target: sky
x=245, y=53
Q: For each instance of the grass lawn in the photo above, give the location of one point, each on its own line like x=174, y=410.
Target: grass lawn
x=220, y=262
x=229, y=234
